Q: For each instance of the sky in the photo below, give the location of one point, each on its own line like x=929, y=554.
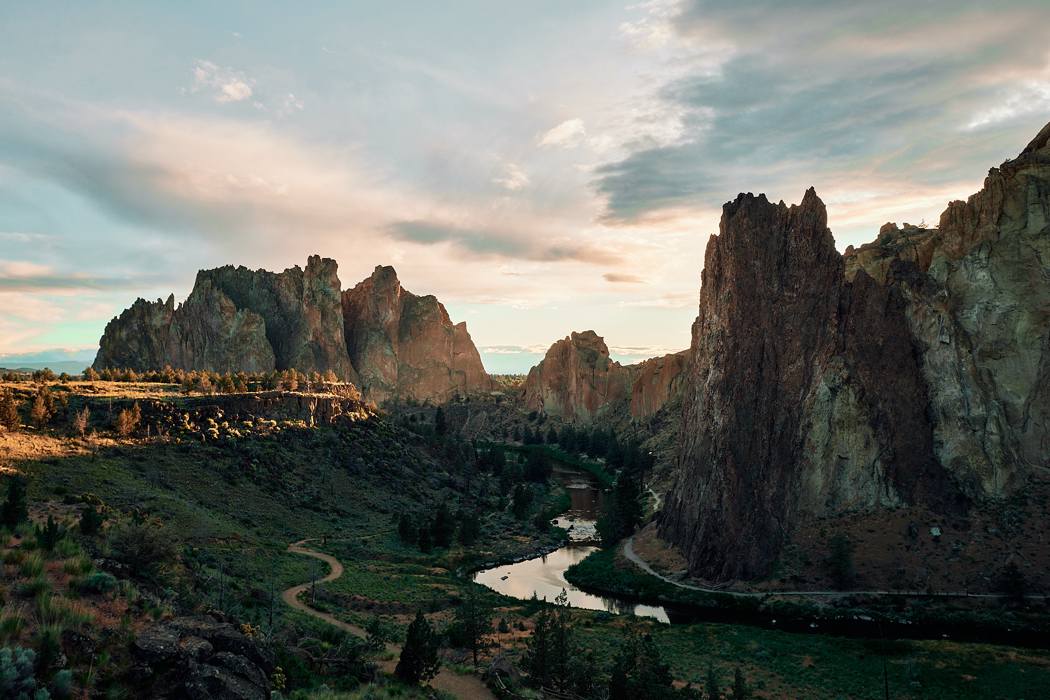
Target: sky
x=541, y=167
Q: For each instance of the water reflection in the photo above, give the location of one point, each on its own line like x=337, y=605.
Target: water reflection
x=545, y=576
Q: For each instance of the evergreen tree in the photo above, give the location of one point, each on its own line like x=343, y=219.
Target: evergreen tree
x=406, y=529
x=9, y=417
x=520, y=503
x=638, y=671
x=741, y=691
x=425, y=544
x=469, y=528
x=552, y=436
x=550, y=651
x=419, y=656
x=16, y=508
x=439, y=422
x=39, y=413
x=471, y=624
x=90, y=520
x=840, y=561
x=443, y=527
x=713, y=691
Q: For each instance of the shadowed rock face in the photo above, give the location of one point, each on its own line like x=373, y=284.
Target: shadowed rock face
x=577, y=381
x=915, y=370
x=406, y=345
x=387, y=340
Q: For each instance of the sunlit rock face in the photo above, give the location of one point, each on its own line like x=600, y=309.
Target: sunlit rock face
x=917, y=369
x=237, y=319
x=405, y=345
x=389, y=341
x=578, y=382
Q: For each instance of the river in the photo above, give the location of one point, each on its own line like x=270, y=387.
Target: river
x=544, y=576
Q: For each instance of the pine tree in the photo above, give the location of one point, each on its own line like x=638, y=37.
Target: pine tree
x=419, y=656
x=16, y=508
x=550, y=651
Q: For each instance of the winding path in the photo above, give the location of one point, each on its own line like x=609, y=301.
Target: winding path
x=628, y=551
x=461, y=686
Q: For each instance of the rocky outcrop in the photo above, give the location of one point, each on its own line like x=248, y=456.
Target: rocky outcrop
x=237, y=319
x=199, y=657
x=915, y=370
x=578, y=382
x=393, y=343
x=406, y=345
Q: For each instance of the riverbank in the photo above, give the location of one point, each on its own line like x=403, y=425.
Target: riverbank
x=860, y=615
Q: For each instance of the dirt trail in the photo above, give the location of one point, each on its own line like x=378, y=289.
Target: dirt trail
x=461, y=686
x=628, y=551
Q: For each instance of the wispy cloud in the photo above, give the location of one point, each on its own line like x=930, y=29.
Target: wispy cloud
x=223, y=84
x=568, y=134
x=513, y=178
x=622, y=278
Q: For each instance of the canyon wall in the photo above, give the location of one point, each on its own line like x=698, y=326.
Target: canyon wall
x=578, y=382
x=913, y=370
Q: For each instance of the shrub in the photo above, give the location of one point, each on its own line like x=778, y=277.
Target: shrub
x=16, y=508
x=12, y=621
x=17, y=677
x=90, y=520
x=77, y=565
x=40, y=412
x=9, y=417
x=128, y=420
x=32, y=565
x=97, y=582
x=34, y=587
x=144, y=546
x=79, y=423
x=48, y=537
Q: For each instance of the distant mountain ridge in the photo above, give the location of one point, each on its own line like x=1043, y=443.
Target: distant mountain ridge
x=378, y=335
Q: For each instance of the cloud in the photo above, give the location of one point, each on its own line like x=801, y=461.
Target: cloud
x=568, y=134
x=824, y=93
x=224, y=84
x=622, y=278
x=22, y=276
x=497, y=243
x=513, y=178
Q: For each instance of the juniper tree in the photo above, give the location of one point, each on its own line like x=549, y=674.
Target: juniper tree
x=419, y=656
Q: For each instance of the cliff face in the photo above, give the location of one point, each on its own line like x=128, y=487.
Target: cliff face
x=406, y=345
x=577, y=381
x=915, y=370
x=389, y=341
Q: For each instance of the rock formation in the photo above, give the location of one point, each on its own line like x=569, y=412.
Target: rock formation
x=915, y=370
x=406, y=345
x=577, y=381
x=388, y=340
